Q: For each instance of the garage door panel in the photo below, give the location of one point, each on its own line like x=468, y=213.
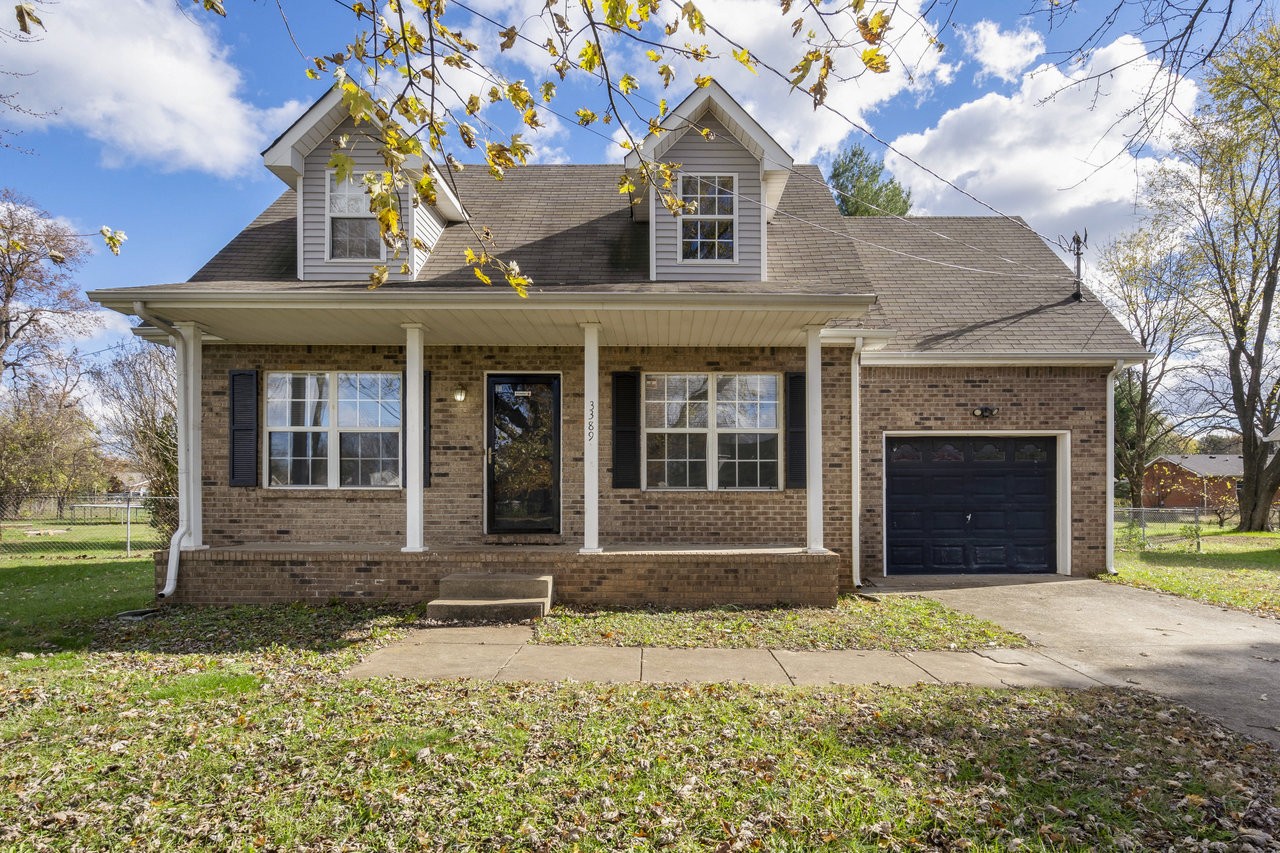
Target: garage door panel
x=910, y=557
x=906, y=520
x=990, y=557
x=979, y=504
x=943, y=557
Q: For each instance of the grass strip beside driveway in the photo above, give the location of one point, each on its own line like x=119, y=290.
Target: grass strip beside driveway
x=890, y=623
x=1237, y=570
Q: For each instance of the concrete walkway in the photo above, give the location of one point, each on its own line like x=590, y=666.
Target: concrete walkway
x=506, y=653
x=1222, y=662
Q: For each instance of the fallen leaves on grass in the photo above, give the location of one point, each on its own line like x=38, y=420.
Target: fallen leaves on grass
x=892, y=623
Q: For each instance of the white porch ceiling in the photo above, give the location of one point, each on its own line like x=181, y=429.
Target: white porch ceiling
x=533, y=322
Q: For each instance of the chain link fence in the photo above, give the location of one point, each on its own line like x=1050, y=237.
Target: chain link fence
x=1166, y=529
x=102, y=526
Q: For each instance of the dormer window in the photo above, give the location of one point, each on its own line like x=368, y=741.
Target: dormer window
x=709, y=224
x=353, y=230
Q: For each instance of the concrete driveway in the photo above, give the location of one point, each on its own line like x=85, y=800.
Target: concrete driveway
x=1222, y=662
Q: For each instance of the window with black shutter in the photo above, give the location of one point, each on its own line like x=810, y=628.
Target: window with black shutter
x=626, y=430
x=795, y=430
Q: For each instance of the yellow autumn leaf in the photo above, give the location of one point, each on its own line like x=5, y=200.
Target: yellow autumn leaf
x=702, y=81
x=744, y=56
x=480, y=275
x=875, y=60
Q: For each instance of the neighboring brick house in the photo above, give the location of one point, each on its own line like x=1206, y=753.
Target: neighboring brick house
x=760, y=401
x=1205, y=480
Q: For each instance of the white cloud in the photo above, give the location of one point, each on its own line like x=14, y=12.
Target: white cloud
x=1050, y=155
x=146, y=80
x=1001, y=53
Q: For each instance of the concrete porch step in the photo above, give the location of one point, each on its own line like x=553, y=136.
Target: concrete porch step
x=492, y=585
x=491, y=597
x=486, y=609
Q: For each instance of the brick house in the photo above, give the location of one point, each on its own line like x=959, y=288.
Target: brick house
x=1204, y=480
x=759, y=401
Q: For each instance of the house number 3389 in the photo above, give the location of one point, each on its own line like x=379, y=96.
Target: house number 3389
x=591, y=421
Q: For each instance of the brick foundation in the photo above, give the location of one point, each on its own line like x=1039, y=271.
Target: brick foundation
x=245, y=576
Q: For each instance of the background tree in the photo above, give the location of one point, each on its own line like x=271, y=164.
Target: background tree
x=137, y=390
x=1218, y=443
x=861, y=187
x=1222, y=196
x=1146, y=280
x=39, y=300
x=48, y=443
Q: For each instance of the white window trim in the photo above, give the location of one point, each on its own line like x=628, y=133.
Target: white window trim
x=1062, y=533
x=333, y=461
x=711, y=432
x=329, y=175
x=717, y=262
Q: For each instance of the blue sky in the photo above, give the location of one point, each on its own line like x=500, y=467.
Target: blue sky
x=156, y=112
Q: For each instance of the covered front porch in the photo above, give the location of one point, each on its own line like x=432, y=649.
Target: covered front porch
x=618, y=575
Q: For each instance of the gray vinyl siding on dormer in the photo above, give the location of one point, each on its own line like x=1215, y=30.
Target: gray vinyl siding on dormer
x=719, y=156
x=427, y=227
x=315, y=180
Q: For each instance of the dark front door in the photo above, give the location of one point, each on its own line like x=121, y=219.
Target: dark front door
x=522, y=468
x=970, y=504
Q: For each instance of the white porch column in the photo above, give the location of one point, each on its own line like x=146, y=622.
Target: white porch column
x=413, y=426
x=813, y=439
x=591, y=438
x=193, y=356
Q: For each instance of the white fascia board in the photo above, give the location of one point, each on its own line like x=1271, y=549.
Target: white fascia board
x=281, y=157
x=677, y=123
x=1002, y=359
x=447, y=203
x=122, y=300
x=1274, y=435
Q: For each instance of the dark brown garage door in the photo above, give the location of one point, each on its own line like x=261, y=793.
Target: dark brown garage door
x=970, y=504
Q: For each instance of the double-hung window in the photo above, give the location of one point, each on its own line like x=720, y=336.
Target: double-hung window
x=353, y=229
x=708, y=224
x=333, y=430
x=711, y=431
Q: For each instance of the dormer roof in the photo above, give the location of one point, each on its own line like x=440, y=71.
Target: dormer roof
x=713, y=99
x=286, y=157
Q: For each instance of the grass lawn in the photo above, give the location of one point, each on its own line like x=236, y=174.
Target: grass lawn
x=1237, y=570
x=895, y=623
x=233, y=728
x=52, y=589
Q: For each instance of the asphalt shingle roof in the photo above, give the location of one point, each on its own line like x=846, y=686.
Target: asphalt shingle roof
x=1209, y=464
x=943, y=284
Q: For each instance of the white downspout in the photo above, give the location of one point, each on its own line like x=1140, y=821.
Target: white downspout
x=1111, y=466
x=184, y=516
x=855, y=460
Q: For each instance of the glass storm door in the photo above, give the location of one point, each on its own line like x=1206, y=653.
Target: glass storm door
x=522, y=459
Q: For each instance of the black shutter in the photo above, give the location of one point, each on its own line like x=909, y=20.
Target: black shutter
x=426, y=426
x=626, y=430
x=244, y=427
x=794, y=406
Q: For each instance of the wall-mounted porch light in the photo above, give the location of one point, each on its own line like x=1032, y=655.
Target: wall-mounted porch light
x=460, y=393
x=986, y=411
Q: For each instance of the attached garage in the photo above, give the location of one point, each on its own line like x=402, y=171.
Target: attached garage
x=972, y=503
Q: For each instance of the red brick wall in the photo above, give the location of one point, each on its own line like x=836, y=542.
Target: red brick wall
x=1029, y=398
x=1165, y=484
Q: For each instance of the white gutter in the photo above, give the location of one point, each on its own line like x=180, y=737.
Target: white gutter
x=179, y=342
x=1111, y=465
x=998, y=359
x=855, y=460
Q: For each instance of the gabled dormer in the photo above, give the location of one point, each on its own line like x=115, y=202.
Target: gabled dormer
x=337, y=235
x=732, y=174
